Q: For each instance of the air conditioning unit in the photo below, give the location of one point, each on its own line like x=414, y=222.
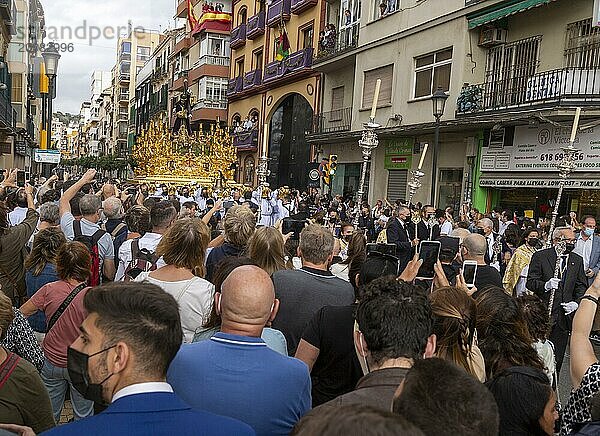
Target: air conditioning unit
x=491, y=36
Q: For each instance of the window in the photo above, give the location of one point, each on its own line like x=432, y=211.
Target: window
x=125, y=47
x=381, y=8
x=239, y=67
x=431, y=71
x=385, y=92
x=349, y=23
x=17, y=88
x=143, y=53
x=450, y=187
x=242, y=15
x=215, y=89
x=582, y=46
x=306, y=35
x=214, y=45
x=257, y=59
x=509, y=69
x=337, y=98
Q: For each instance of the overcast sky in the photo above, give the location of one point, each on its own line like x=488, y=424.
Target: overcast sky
x=75, y=69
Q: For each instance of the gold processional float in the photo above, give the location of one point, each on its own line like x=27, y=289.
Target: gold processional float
x=204, y=159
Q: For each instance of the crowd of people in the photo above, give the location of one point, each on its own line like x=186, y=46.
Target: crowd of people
x=186, y=310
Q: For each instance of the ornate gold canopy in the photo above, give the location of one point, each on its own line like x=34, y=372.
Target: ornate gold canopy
x=199, y=157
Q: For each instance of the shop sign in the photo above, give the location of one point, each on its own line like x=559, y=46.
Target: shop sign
x=538, y=183
x=398, y=154
x=46, y=156
x=538, y=148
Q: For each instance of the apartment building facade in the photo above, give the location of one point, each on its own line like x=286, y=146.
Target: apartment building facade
x=272, y=83
x=201, y=56
x=501, y=64
x=133, y=51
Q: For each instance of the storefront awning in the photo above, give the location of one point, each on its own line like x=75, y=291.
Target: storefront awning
x=502, y=11
x=532, y=181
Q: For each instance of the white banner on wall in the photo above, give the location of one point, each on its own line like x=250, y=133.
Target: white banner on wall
x=537, y=148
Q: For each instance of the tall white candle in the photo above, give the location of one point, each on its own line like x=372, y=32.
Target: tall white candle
x=423, y=153
x=375, y=98
x=265, y=139
x=575, y=124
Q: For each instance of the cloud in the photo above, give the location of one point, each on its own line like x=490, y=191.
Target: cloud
x=67, y=20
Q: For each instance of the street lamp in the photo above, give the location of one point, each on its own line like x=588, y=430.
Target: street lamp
x=51, y=57
x=438, y=99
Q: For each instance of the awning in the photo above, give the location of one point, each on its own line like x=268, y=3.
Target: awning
x=577, y=180
x=502, y=10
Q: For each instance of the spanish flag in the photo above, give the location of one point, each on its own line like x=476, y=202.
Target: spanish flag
x=192, y=20
x=213, y=20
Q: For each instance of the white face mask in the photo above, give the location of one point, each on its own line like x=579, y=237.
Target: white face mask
x=362, y=359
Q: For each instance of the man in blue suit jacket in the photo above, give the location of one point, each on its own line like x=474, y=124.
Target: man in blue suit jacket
x=127, y=342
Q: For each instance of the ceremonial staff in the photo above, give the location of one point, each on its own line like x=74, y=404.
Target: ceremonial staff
x=415, y=184
x=367, y=143
x=565, y=167
x=262, y=171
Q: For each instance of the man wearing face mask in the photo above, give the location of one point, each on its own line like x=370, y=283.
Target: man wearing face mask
x=485, y=228
x=346, y=231
x=588, y=247
x=127, y=342
x=568, y=287
x=91, y=208
x=398, y=233
x=395, y=328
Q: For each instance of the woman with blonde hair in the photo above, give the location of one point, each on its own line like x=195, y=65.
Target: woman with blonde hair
x=266, y=247
x=455, y=318
x=183, y=248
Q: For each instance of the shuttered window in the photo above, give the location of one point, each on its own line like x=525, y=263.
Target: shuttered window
x=337, y=98
x=385, y=92
x=396, y=189
x=17, y=88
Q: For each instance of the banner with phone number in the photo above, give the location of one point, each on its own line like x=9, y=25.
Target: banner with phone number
x=538, y=148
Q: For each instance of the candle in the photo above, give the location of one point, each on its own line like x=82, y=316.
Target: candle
x=575, y=125
x=265, y=139
x=423, y=153
x=375, y=98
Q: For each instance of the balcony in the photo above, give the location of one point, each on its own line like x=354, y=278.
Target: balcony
x=238, y=36
x=124, y=97
x=299, y=6
x=252, y=79
x=256, y=26
x=331, y=122
x=8, y=116
x=124, y=77
x=298, y=61
x=8, y=14
x=246, y=140
x=182, y=43
x=279, y=10
x=346, y=42
x=221, y=61
x=556, y=87
x=210, y=104
x=235, y=86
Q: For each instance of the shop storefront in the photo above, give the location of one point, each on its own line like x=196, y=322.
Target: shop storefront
x=519, y=171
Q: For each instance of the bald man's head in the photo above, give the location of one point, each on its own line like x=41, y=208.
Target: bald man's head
x=475, y=245
x=247, y=298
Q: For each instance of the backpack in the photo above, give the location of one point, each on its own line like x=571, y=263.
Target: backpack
x=115, y=231
x=142, y=260
x=91, y=242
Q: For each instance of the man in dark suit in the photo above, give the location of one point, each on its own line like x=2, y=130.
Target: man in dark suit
x=397, y=233
x=127, y=342
x=426, y=230
x=492, y=258
x=568, y=287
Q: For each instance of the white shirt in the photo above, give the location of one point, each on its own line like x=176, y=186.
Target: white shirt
x=142, y=388
x=149, y=241
x=502, y=227
x=446, y=228
x=494, y=259
x=340, y=271
x=194, y=298
x=17, y=216
x=584, y=249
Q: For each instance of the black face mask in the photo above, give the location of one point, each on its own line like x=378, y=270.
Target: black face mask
x=569, y=247
x=348, y=238
x=533, y=242
x=77, y=366
x=479, y=231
